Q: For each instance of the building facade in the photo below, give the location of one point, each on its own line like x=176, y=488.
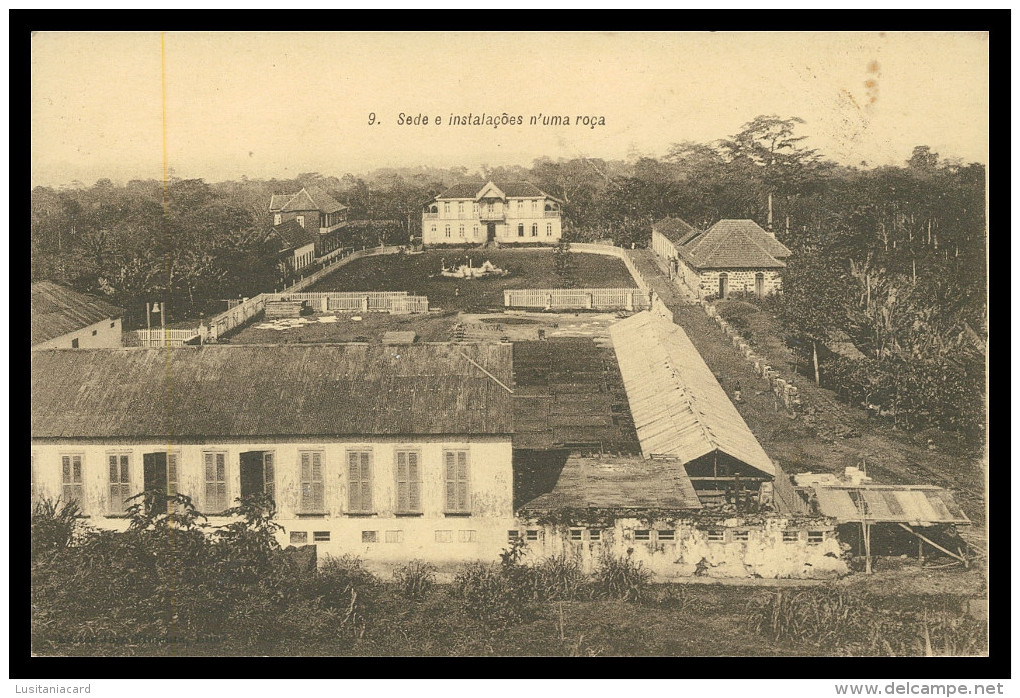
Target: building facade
x=365, y=450
x=63, y=318
x=315, y=211
x=508, y=213
x=732, y=257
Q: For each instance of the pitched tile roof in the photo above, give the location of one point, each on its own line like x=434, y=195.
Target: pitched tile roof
x=272, y=390
x=674, y=229
x=619, y=482
x=58, y=310
x=292, y=235
x=735, y=244
x=308, y=199
x=470, y=190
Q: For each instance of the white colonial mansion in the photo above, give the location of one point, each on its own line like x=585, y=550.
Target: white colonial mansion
x=508, y=213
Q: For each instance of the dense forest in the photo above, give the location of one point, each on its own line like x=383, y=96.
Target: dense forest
x=894, y=258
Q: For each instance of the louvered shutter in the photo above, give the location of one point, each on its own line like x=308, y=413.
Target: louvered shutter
x=366, y=481
x=413, y=483
x=403, y=485
x=269, y=475
x=451, y=482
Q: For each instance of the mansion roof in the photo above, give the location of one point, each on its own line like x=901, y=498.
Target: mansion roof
x=308, y=199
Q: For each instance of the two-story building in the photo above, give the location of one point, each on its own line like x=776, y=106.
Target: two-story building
x=63, y=318
x=733, y=256
x=315, y=211
x=507, y=213
x=390, y=453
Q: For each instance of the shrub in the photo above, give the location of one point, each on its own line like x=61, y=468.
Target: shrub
x=55, y=525
x=559, y=578
x=343, y=585
x=620, y=578
x=416, y=579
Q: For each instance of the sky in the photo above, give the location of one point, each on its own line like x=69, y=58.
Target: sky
x=219, y=106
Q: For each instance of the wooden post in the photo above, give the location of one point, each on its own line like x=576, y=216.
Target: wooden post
x=867, y=546
x=920, y=552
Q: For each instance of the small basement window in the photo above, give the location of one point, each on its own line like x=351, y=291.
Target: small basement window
x=370, y=536
x=791, y=536
x=394, y=536
x=667, y=535
x=531, y=534
x=467, y=536
x=511, y=536
x=642, y=534
x=575, y=534
x=298, y=537
x=740, y=535
x=320, y=536
x=595, y=534
x=716, y=535
x=815, y=536
x=444, y=536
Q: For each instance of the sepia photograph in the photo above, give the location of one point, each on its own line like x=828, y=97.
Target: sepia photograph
x=509, y=344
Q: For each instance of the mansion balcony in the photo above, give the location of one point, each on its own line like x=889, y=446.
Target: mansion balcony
x=496, y=214
x=553, y=214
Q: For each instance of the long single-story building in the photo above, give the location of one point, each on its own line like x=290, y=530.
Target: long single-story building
x=63, y=318
x=387, y=452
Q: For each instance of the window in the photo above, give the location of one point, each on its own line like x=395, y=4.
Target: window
x=534, y=230
x=594, y=534
x=667, y=535
x=520, y=230
x=312, y=485
x=475, y=231
x=320, y=536
x=120, y=482
x=434, y=231
x=277, y=219
x=534, y=206
x=447, y=231
x=740, y=535
x=716, y=536
x=408, y=482
x=642, y=534
x=444, y=536
x=300, y=220
x=520, y=208
x=815, y=537
x=298, y=537
x=548, y=229
x=394, y=537
x=73, y=484
x=74, y=343
x=575, y=534
x=159, y=474
x=215, y=481
x=370, y=536
x=791, y=536
x=95, y=332
x=113, y=324
x=258, y=474
x=511, y=536
x=458, y=497
x=460, y=209
x=460, y=232
x=359, y=481
x=474, y=210
x=467, y=536
x=531, y=534
x=446, y=208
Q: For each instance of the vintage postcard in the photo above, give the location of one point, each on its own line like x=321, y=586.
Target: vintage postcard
x=509, y=344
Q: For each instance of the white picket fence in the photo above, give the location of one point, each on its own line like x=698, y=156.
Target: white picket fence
x=577, y=298
x=165, y=338
x=355, y=301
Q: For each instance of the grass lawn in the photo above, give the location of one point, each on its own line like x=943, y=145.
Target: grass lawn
x=529, y=268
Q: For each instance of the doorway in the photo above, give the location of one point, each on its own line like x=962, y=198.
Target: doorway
x=490, y=232
x=257, y=476
x=723, y=285
x=759, y=284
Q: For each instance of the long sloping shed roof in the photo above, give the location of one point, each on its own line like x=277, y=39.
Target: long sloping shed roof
x=678, y=406
x=736, y=244
x=619, y=482
x=278, y=390
x=917, y=505
x=675, y=230
x=58, y=310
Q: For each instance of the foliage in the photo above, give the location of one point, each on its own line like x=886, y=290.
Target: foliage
x=854, y=623
x=55, y=525
x=416, y=579
x=620, y=578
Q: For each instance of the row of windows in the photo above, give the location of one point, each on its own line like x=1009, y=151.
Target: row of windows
x=257, y=476
x=463, y=536
x=475, y=232
x=667, y=535
x=521, y=205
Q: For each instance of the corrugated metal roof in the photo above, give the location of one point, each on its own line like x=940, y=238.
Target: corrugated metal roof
x=918, y=505
x=257, y=390
x=678, y=406
x=736, y=244
x=619, y=482
x=675, y=229
x=58, y=310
